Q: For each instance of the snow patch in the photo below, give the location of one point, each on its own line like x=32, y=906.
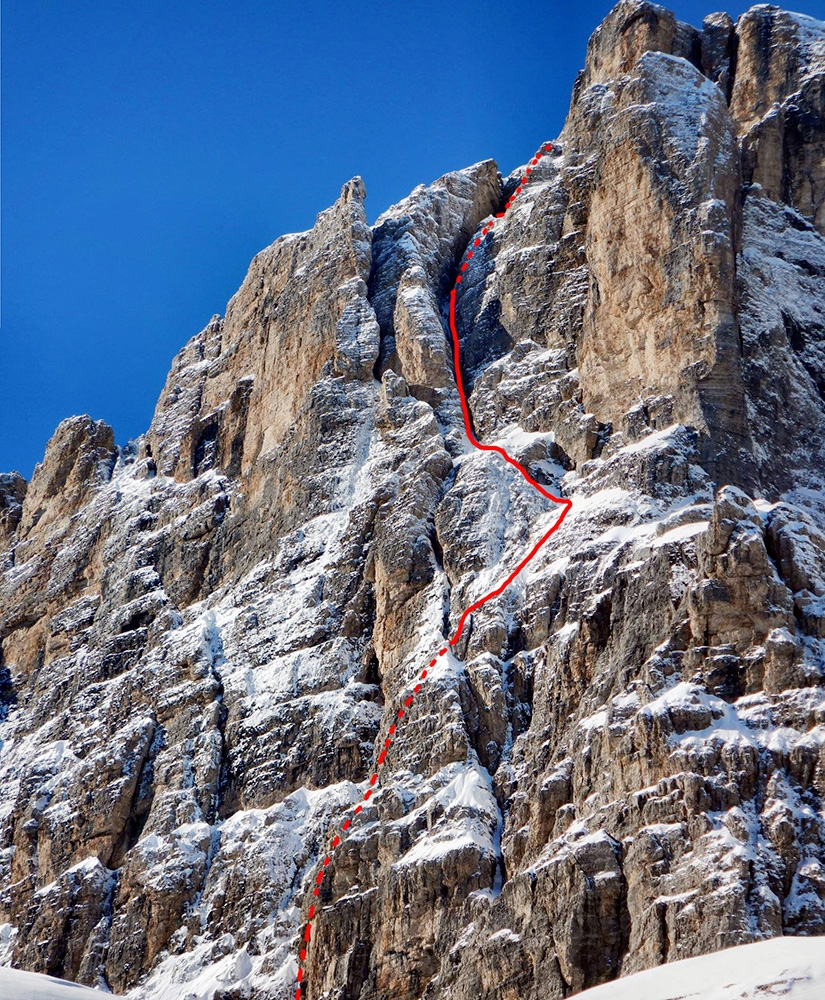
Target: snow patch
x=787, y=967
x=18, y=985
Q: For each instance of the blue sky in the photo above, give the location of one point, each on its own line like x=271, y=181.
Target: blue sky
x=150, y=149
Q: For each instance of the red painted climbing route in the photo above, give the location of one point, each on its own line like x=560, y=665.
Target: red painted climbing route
x=565, y=505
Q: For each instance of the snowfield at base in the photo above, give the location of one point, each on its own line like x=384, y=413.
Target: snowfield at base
x=788, y=967
x=17, y=985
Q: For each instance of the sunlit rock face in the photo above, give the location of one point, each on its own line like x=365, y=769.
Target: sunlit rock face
x=206, y=632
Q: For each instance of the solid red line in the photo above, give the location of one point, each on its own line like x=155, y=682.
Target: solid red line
x=465, y=409
x=566, y=504
x=503, y=586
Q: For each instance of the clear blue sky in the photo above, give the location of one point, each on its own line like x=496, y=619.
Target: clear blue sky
x=151, y=147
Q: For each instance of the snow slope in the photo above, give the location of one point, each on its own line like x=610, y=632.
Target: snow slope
x=789, y=967
x=17, y=985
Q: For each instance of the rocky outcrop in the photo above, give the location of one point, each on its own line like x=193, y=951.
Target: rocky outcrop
x=246, y=380
x=777, y=104
x=204, y=634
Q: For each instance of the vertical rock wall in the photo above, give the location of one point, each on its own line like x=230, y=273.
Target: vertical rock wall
x=204, y=633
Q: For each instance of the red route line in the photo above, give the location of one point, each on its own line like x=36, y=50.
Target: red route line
x=563, y=501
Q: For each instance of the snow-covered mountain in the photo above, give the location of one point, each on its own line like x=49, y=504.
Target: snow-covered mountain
x=207, y=633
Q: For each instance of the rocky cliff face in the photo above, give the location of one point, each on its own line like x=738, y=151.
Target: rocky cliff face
x=205, y=633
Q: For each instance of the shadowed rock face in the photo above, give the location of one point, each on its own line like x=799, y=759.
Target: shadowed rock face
x=203, y=634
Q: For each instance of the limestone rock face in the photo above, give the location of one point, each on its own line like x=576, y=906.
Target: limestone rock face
x=275, y=327
x=631, y=29
x=778, y=103
x=660, y=240
x=206, y=634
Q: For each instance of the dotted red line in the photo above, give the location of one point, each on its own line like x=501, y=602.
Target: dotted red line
x=336, y=840
x=408, y=701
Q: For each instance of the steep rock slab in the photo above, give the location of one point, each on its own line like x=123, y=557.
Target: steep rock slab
x=660, y=238
x=778, y=104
